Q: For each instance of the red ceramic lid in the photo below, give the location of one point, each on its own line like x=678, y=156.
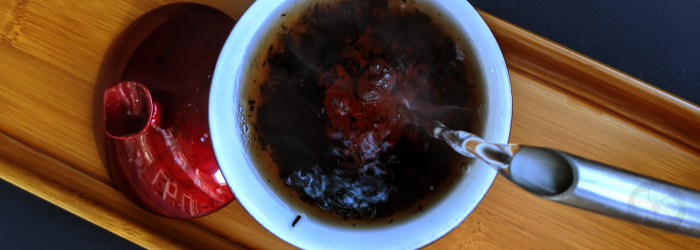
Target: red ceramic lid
x=159, y=149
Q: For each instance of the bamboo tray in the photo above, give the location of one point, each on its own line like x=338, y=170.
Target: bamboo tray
x=51, y=53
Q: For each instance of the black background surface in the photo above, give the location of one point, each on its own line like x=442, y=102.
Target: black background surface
x=657, y=41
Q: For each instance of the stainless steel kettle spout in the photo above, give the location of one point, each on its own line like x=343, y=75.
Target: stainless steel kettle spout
x=586, y=184
x=607, y=190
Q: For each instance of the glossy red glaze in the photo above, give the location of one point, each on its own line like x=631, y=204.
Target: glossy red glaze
x=166, y=163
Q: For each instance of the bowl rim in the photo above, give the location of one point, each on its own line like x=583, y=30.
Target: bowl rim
x=228, y=139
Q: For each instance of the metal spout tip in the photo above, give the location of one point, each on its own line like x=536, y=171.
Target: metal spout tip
x=540, y=171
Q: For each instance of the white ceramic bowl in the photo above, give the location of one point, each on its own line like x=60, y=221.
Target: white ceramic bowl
x=273, y=214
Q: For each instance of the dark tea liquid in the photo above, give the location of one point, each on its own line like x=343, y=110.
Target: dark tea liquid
x=325, y=131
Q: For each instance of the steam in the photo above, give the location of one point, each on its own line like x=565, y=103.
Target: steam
x=348, y=193
x=344, y=186
x=361, y=100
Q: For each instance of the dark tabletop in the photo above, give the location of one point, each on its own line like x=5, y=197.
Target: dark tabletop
x=657, y=41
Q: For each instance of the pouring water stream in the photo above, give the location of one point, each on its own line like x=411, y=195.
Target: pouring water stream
x=543, y=175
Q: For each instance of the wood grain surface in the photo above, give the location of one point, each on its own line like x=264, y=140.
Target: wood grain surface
x=51, y=53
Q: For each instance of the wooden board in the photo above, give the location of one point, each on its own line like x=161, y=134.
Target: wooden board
x=50, y=57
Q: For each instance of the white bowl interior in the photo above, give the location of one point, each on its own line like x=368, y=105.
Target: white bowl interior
x=277, y=217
